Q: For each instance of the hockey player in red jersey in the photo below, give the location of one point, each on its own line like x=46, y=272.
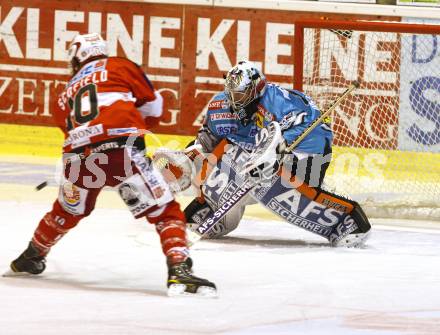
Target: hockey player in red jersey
x=102, y=111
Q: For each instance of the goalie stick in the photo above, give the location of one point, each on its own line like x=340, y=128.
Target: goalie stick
x=209, y=223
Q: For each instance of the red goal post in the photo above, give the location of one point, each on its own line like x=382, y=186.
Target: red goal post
x=387, y=135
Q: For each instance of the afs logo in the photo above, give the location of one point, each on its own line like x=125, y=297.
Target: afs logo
x=71, y=195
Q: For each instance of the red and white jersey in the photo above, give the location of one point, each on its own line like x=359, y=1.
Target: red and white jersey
x=107, y=98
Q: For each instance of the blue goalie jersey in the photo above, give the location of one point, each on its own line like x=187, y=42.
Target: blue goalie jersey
x=294, y=111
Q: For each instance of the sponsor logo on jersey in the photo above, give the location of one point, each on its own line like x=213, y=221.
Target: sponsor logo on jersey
x=223, y=116
x=259, y=120
x=216, y=104
x=121, y=131
x=71, y=195
x=100, y=65
x=263, y=115
x=105, y=146
x=140, y=208
x=226, y=129
x=151, y=179
x=253, y=132
x=129, y=193
x=81, y=135
x=157, y=192
x=291, y=119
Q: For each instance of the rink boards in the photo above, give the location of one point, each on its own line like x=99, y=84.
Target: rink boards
x=372, y=169
x=41, y=141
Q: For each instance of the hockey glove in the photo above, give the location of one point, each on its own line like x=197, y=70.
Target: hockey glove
x=178, y=167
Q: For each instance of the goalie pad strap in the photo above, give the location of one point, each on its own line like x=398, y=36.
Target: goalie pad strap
x=210, y=162
x=320, y=196
x=334, y=201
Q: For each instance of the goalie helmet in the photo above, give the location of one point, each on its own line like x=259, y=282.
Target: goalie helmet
x=244, y=83
x=85, y=48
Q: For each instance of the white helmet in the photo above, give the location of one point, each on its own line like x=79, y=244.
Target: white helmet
x=244, y=83
x=85, y=47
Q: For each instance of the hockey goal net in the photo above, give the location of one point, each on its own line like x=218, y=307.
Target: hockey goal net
x=387, y=134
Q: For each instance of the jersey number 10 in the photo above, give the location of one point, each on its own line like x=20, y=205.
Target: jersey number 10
x=77, y=114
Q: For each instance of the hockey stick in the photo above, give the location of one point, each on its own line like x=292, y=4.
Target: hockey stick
x=209, y=223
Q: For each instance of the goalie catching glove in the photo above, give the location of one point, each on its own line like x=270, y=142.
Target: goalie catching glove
x=266, y=158
x=178, y=167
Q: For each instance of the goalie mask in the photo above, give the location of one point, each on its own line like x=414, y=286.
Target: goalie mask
x=85, y=48
x=244, y=84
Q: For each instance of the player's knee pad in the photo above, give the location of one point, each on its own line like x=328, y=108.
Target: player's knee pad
x=75, y=200
x=145, y=189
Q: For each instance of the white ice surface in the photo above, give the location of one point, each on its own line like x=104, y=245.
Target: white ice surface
x=107, y=276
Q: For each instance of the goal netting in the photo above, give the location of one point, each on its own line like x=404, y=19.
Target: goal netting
x=387, y=134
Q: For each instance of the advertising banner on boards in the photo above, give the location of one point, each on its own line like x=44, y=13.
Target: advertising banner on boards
x=184, y=49
x=419, y=112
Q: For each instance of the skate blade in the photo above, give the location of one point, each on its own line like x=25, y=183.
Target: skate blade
x=178, y=290
x=12, y=274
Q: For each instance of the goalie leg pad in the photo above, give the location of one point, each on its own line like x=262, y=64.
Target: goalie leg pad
x=358, y=237
x=197, y=212
x=360, y=218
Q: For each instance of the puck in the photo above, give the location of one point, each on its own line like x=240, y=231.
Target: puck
x=41, y=186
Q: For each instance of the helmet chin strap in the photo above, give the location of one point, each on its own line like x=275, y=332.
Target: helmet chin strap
x=74, y=65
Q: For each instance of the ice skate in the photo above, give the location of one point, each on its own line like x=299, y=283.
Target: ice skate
x=181, y=281
x=30, y=262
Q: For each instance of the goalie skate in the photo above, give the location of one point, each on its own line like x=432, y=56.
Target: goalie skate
x=353, y=240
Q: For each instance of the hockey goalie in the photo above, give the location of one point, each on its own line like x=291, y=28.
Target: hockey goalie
x=239, y=158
